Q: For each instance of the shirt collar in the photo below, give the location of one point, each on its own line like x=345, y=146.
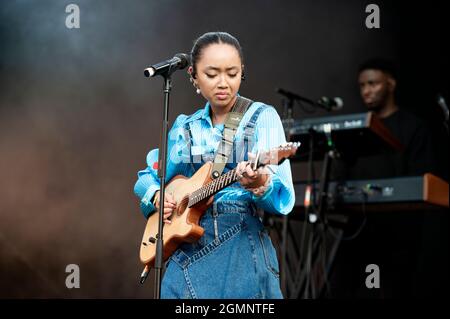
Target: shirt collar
x=206, y=112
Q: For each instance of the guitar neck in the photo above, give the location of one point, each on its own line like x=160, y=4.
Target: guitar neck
x=212, y=187
x=274, y=157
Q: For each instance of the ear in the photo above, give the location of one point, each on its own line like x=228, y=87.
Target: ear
x=392, y=84
x=190, y=71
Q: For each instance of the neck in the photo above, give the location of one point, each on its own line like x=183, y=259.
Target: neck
x=219, y=113
x=389, y=109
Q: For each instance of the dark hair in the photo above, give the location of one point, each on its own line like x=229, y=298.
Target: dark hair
x=212, y=38
x=380, y=64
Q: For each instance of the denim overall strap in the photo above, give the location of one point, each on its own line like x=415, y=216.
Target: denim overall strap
x=249, y=130
x=227, y=144
x=188, y=138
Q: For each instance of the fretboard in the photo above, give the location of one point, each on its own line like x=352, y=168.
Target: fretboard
x=212, y=187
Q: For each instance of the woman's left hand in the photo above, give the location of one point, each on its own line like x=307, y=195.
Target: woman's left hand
x=255, y=181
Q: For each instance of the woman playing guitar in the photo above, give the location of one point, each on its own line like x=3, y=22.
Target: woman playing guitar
x=234, y=258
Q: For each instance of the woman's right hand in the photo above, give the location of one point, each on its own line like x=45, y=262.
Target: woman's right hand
x=169, y=206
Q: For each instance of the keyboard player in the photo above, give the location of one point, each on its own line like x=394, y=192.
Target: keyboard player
x=409, y=248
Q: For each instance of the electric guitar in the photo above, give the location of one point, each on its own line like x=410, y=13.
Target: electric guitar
x=193, y=196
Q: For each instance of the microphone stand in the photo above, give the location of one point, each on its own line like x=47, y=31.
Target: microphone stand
x=287, y=121
x=322, y=200
x=162, y=177
x=162, y=161
x=316, y=219
x=445, y=111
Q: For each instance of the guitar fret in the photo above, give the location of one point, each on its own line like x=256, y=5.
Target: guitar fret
x=211, y=188
x=234, y=175
x=216, y=186
x=208, y=190
x=228, y=179
x=203, y=193
x=190, y=199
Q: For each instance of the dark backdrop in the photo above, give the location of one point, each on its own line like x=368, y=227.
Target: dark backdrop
x=77, y=117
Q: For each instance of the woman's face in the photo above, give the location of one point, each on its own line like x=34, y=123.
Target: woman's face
x=219, y=72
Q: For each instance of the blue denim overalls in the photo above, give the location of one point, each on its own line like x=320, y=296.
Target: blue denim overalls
x=235, y=257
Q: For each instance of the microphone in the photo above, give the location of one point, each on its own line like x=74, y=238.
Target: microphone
x=331, y=104
x=178, y=62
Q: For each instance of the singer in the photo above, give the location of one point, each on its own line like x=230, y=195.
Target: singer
x=235, y=257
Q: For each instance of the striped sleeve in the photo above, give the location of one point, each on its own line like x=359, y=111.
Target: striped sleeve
x=269, y=133
x=178, y=159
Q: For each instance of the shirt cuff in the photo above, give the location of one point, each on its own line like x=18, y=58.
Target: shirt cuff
x=147, y=199
x=259, y=199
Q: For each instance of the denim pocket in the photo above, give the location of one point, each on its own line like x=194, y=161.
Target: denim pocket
x=270, y=254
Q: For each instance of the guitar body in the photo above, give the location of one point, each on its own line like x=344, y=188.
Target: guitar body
x=185, y=221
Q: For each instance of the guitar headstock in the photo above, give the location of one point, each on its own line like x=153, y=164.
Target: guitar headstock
x=277, y=155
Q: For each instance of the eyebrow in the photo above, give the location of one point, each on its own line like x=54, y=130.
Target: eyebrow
x=218, y=69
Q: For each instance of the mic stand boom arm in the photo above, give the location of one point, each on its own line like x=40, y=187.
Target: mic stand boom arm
x=295, y=97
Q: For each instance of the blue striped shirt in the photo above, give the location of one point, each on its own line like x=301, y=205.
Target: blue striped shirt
x=279, y=198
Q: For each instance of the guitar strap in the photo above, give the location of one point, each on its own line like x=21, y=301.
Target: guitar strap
x=231, y=125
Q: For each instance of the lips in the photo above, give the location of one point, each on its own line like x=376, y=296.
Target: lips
x=369, y=100
x=221, y=95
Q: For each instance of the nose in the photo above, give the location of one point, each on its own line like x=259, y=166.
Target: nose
x=365, y=91
x=223, y=84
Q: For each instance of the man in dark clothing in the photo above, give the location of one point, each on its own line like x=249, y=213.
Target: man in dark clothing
x=394, y=241
x=377, y=82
